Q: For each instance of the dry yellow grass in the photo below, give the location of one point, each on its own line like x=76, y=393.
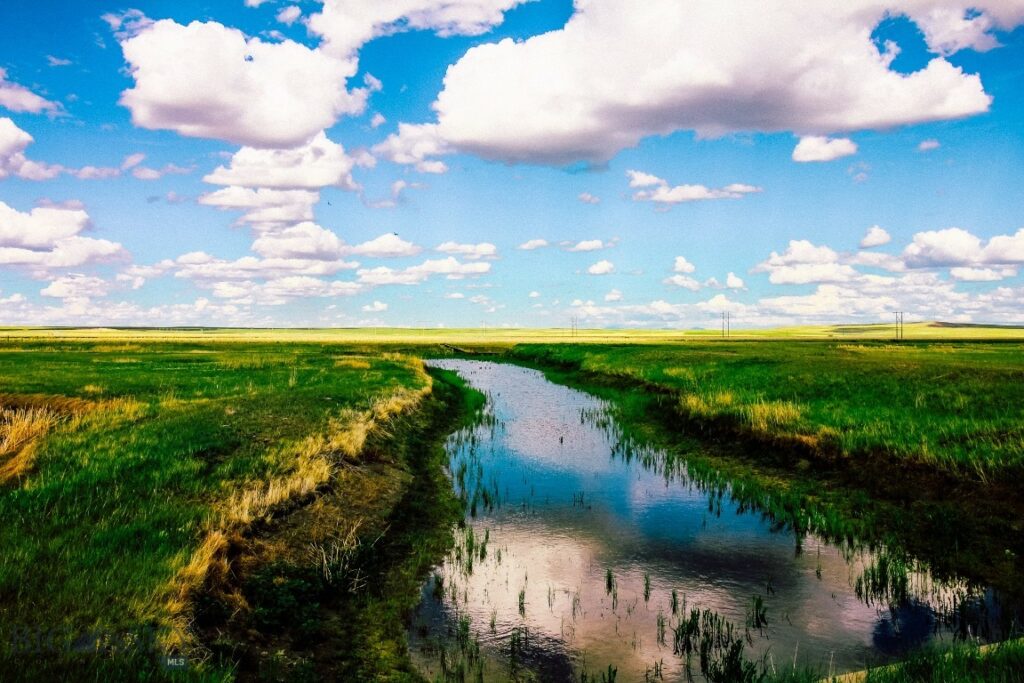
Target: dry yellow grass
x=355, y=363
x=191, y=577
x=21, y=427
x=18, y=430
x=760, y=416
x=764, y=416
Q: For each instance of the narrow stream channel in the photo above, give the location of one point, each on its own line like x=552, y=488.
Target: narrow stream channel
x=576, y=556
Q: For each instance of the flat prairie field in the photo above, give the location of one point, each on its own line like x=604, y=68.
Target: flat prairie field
x=229, y=496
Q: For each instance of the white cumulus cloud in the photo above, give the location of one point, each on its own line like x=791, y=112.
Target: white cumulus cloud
x=13, y=143
x=710, y=66
x=316, y=164
x=681, y=265
x=820, y=148
x=346, y=25
x=48, y=237
x=388, y=245
x=803, y=263
x=289, y=15
x=18, y=98
x=663, y=193
x=484, y=250
x=876, y=236
x=211, y=81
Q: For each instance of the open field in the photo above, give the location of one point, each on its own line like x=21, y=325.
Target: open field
x=128, y=470
x=169, y=485
x=928, y=331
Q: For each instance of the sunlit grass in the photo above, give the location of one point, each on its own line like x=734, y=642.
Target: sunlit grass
x=131, y=493
x=110, y=339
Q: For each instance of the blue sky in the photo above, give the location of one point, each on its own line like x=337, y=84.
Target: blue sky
x=350, y=162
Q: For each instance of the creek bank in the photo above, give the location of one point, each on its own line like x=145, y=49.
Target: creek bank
x=323, y=591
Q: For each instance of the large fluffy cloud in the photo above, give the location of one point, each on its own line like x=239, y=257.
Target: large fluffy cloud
x=307, y=240
x=804, y=262
x=265, y=209
x=711, y=66
x=77, y=286
x=48, y=237
x=318, y=163
x=208, y=80
x=413, y=145
x=958, y=247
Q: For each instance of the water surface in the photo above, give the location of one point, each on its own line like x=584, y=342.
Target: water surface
x=572, y=551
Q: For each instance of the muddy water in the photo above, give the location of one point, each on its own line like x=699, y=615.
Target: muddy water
x=572, y=551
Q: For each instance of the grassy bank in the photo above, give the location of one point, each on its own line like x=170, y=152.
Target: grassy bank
x=957, y=408
x=323, y=593
x=130, y=471
x=1002, y=663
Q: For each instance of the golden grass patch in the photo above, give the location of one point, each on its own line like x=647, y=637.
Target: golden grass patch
x=27, y=418
x=354, y=363
x=681, y=373
x=18, y=430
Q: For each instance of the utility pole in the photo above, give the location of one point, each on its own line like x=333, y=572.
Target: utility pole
x=726, y=324
x=899, y=325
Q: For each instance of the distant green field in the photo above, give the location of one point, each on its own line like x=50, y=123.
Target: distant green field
x=505, y=336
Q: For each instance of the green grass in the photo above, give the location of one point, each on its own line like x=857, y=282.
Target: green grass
x=121, y=495
x=957, y=407
x=1002, y=663
x=123, y=453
